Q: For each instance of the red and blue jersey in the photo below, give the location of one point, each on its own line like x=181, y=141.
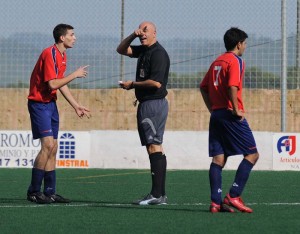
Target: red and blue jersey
x=226, y=71
x=50, y=65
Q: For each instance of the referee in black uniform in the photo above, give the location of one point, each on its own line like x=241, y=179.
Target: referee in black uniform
x=150, y=90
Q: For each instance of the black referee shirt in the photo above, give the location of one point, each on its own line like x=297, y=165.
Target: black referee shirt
x=153, y=63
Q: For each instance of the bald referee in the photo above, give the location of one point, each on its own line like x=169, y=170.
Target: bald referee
x=150, y=90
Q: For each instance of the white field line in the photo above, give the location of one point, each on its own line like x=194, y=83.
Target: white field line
x=118, y=205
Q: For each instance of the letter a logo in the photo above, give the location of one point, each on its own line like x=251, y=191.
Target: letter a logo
x=288, y=143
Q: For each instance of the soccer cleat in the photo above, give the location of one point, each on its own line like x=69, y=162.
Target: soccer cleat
x=38, y=198
x=215, y=208
x=150, y=200
x=163, y=200
x=55, y=198
x=237, y=203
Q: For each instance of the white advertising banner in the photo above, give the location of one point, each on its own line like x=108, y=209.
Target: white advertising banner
x=286, y=155
x=19, y=150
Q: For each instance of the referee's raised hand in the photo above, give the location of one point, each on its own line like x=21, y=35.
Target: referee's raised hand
x=140, y=32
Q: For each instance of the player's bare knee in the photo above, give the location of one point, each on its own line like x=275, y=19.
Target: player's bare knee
x=252, y=158
x=256, y=157
x=49, y=147
x=219, y=160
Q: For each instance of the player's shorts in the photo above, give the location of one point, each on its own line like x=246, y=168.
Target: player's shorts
x=151, y=120
x=44, y=119
x=229, y=135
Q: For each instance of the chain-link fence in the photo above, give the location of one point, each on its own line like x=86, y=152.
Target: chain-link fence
x=192, y=33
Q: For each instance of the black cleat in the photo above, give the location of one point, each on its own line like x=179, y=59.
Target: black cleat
x=38, y=198
x=55, y=198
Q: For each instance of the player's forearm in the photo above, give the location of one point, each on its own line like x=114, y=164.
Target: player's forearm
x=123, y=47
x=65, y=91
x=58, y=83
x=232, y=92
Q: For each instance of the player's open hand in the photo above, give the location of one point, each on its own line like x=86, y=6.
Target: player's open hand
x=83, y=111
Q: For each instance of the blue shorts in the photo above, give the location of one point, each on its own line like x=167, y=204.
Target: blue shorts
x=229, y=135
x=151, y=119
x=44, y=119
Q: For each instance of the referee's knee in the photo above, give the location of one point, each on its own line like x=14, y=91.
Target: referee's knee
x=153, y=148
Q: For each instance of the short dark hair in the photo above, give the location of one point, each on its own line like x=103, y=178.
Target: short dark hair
x=232, y=37
x=60, y=30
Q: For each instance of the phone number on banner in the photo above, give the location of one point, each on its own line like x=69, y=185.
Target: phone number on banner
x=20, y=162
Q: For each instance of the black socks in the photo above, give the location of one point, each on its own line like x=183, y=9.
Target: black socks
x=158, y=164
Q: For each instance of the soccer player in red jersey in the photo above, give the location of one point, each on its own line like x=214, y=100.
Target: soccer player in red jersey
x=47, y=76
x=229, y=132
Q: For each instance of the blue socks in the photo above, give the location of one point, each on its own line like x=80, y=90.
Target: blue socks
x=49, y=183
x=37, y=176
x=241, y=177
x=215, y=179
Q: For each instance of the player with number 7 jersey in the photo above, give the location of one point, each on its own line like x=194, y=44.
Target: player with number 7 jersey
x=229, y=131
x=227, y=70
